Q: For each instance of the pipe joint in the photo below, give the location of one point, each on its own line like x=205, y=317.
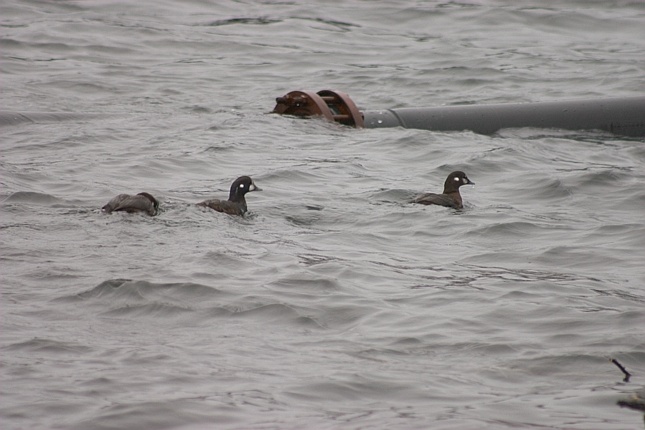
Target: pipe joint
x=334, y=106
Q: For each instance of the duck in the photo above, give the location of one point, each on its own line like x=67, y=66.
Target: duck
x=450, y=196
x=142, y=202
x=236, y=203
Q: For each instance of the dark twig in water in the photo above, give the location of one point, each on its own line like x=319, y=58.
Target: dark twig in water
x=622, y=369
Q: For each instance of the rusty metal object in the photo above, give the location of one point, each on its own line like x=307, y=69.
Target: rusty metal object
x=334, y=106
x=343, y=108
x=302, y=104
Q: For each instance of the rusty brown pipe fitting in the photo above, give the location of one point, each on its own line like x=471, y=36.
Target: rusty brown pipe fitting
x=334, y=106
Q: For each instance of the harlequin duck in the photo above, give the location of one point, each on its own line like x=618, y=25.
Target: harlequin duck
x=142, y=202
x=236, y=204
x=450, y=197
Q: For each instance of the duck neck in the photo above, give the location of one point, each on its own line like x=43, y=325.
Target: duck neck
x=450, y=188
x=236, y=197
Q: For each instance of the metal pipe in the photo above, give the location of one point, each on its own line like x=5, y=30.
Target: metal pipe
x=623, y=116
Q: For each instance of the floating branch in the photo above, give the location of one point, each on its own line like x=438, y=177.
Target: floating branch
x=622, y=369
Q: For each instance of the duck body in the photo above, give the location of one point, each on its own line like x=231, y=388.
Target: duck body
x=142, y=202
x=450, y=196
x=236, y=203
x=226, y=206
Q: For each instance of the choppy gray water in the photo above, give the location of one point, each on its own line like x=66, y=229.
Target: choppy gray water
x=334, y=303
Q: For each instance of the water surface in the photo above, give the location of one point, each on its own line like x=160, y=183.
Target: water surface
x=335, y=303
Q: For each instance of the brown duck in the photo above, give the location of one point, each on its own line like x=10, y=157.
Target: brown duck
x=236, y=203
x=450, y=196
x=142, y=202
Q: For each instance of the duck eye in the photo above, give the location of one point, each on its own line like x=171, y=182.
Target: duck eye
x=241, y=185
x=457, y=179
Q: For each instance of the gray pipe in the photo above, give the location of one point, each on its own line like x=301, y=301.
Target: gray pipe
x=623, y=116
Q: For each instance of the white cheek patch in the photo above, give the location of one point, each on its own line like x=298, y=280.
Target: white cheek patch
x=252, y=187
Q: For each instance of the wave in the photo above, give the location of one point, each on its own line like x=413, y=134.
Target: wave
x=33, y=197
